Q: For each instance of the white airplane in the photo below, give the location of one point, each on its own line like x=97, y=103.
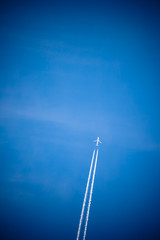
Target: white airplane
x=97, y=141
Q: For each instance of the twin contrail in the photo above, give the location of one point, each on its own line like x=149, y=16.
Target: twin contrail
x=90, y=195
x=85, y=196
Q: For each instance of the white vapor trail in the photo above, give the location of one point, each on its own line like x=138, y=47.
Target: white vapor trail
x=90, y=197
x=85, y=196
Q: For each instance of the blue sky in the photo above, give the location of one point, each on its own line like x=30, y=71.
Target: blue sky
x=72, y=71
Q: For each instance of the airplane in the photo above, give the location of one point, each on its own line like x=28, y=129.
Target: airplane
x=97, y=141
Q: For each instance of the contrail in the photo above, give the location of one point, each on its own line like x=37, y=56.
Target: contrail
x=85, y=196
x=90, y=197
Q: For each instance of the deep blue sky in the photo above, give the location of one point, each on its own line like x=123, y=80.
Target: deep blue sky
x=72, y=71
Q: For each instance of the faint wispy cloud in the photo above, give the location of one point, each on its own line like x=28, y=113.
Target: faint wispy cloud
x=115, y=130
